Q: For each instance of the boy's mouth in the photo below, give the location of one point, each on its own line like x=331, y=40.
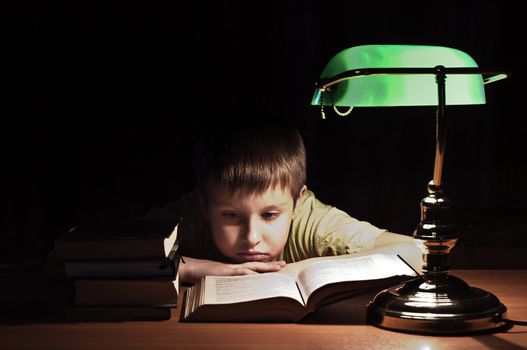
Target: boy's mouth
x=253, y=256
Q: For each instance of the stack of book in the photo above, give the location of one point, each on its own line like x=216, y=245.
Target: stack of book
x=120, y=270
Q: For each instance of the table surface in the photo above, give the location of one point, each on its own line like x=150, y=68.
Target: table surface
x=510, y=286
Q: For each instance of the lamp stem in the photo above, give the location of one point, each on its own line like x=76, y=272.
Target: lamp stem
x=440, y=125
x=435, y=235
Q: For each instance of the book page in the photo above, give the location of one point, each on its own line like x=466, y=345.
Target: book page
x=369, y=267
x=406, y=250
x=235, y=289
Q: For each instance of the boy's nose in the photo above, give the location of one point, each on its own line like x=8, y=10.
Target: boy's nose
x=253, y=232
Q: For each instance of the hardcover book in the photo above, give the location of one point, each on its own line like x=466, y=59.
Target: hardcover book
x=294, y=292
x=127, y=239
x=126, y=292
x=146, y=268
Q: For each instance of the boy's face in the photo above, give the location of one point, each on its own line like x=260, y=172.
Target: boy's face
x=252, y=227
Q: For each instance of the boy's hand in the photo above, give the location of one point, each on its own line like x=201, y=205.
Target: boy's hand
x=194, y=269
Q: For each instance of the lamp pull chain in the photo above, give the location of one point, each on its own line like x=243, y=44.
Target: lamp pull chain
x=343, y=114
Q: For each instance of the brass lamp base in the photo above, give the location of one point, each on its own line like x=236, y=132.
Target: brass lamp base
x=448, y=306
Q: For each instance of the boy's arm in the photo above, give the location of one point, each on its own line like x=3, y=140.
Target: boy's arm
x=405, y=246
x=386, y=238
x=192, y=270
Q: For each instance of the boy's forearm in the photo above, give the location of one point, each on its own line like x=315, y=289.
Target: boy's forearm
x=185, y=269
x=390, y=238
x=403, y=245
x=192, y=270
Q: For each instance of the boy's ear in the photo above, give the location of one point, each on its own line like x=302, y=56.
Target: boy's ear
x=299, y=199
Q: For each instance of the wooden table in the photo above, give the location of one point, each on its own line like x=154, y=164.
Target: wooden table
x=509, y=285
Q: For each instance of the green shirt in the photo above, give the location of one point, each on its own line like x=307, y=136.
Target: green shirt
x=318, y=229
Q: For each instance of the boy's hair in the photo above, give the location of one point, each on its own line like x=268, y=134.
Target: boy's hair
x=250, y=159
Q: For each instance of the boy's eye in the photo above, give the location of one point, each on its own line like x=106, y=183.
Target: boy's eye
x=270, y=215
x=229, y=215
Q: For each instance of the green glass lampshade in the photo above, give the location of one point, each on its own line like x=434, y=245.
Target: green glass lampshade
x=399, y=89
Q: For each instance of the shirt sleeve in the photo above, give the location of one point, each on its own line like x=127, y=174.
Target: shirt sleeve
x=321, y=230
x=338, y=234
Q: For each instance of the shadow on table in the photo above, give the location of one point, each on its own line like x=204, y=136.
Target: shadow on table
x=350, y=311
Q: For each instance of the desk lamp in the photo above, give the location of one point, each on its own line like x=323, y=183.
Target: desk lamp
x=416, y=75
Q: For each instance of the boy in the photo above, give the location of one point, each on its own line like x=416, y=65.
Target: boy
x=251, y=211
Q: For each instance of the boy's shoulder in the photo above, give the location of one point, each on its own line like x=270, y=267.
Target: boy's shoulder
x=311, y=203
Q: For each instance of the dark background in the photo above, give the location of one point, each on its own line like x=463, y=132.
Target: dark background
x=105, y=98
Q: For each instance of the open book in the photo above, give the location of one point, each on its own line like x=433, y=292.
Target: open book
x=290, y=294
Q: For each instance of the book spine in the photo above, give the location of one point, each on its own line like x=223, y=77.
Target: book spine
x=120, y=269
x=126, y=292
x=109, y=250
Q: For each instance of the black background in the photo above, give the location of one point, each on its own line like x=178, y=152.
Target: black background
x=104, y=100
